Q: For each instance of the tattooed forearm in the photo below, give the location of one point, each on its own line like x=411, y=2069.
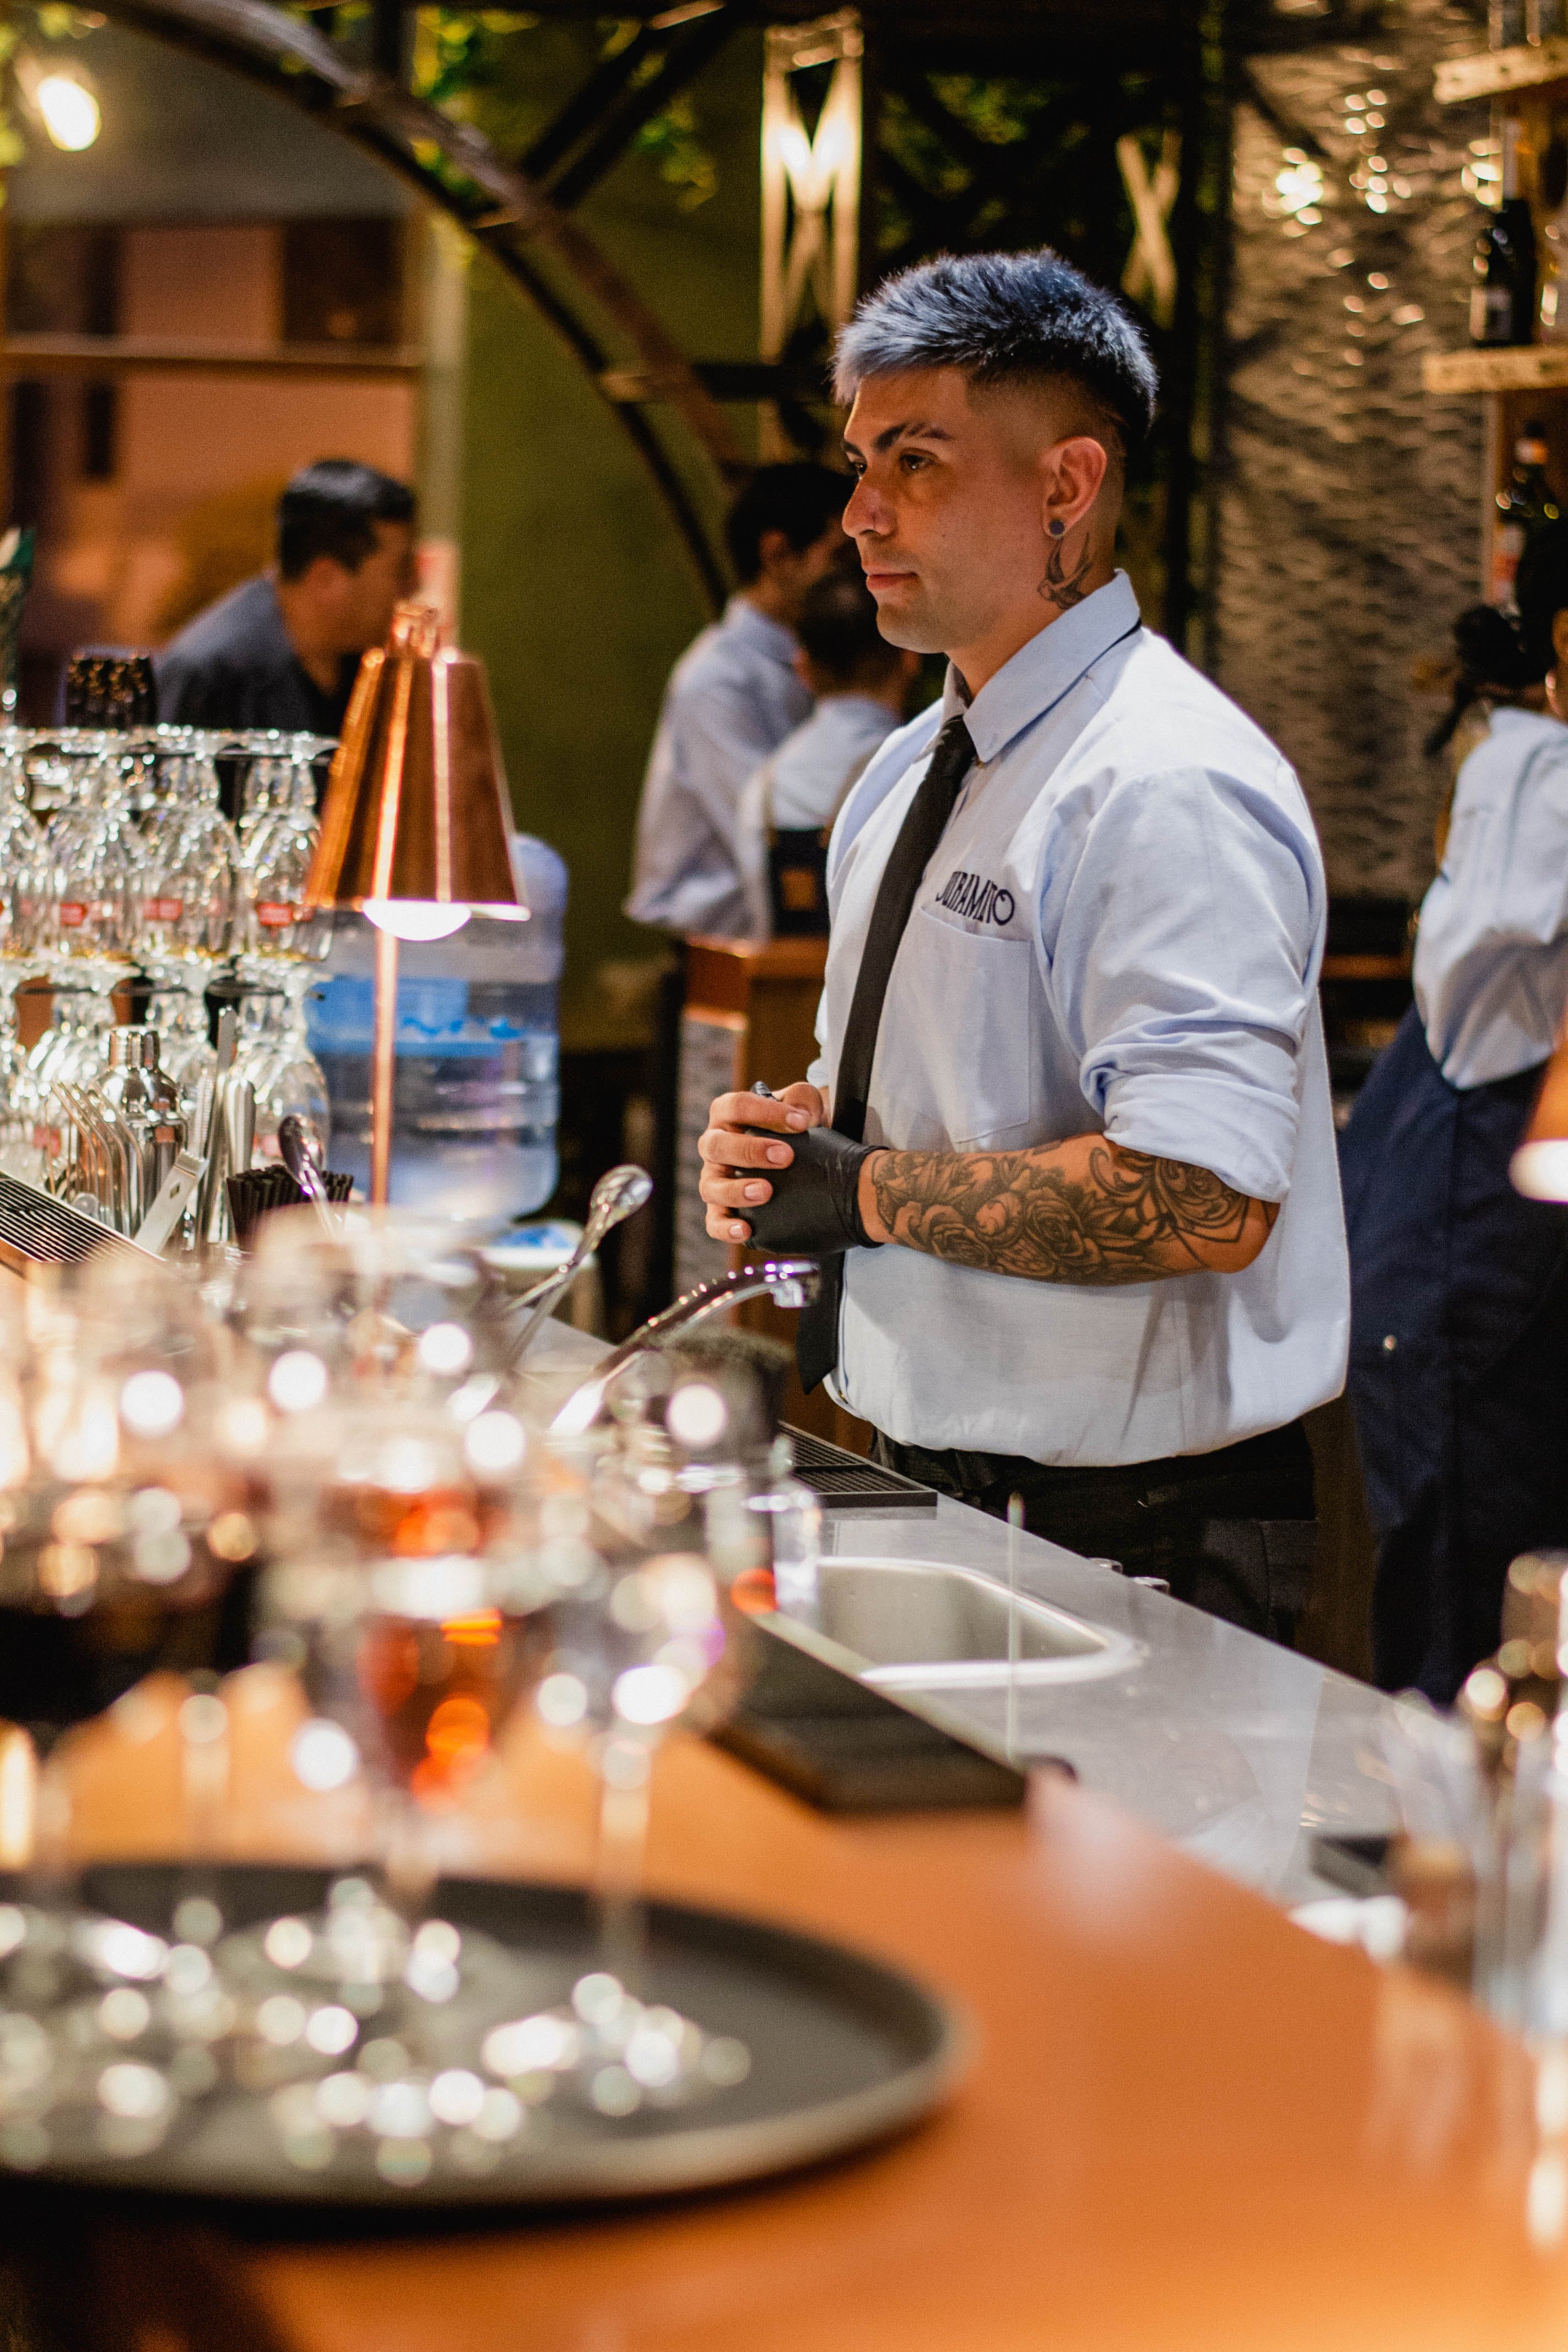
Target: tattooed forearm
x=1081, y=1211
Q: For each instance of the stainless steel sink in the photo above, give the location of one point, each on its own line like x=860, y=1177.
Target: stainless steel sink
x=925, y=1624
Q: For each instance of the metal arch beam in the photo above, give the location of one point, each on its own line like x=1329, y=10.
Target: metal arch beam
x=454, y=166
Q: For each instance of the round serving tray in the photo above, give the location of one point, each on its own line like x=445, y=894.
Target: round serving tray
x=845, y=2052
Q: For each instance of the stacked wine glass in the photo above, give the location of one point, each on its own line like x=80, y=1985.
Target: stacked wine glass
x=120, y=871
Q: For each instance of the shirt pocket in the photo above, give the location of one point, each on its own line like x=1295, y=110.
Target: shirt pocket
x=968, y=1035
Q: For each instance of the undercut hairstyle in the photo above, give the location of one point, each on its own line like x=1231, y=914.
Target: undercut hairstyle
x=1005, y=319
x=837, y=630
x=800, y=501
x=332, y=508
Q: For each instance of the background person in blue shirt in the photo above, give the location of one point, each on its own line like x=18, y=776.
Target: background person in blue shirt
x=732, y=697
x=1459, y=1288
x=1085, y=1214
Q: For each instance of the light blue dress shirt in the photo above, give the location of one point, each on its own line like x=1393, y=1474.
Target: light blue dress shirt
x=803, y=786
x=1120, y=929
x=1491, y=951
x=732, y=698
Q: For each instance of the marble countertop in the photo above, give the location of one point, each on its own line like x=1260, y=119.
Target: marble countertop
x=1236, y=1749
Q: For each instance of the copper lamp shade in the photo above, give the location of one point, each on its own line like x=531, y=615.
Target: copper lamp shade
x=1539, y=1166
x=415, y=805
x=414, y=819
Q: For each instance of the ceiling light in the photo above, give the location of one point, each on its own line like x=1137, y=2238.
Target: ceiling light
x=69, y=111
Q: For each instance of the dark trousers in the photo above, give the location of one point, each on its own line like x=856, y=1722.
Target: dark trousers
x=1458, y=1338
x=1233, y=1531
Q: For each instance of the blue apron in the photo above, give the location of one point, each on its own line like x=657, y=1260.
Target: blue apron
x=1458, y=1367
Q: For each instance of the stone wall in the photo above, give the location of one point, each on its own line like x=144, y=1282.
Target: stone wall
x=1347, y=512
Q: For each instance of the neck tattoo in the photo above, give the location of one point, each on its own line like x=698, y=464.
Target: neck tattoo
x=1061, y=587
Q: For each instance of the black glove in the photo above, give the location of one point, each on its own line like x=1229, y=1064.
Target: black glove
x=814, y=1212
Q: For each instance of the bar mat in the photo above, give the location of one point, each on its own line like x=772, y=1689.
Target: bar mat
x=843, y=1481
x=827, y=1737
x=37, y=1229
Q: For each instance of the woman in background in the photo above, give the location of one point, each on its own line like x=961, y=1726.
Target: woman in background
x=1458, y=1374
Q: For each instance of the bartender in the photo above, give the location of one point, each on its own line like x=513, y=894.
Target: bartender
x=1459, y=1288
x=1078, y=1204
x=283, y=650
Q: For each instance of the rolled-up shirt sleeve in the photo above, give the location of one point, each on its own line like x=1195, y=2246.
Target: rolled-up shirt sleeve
x=1178, y=920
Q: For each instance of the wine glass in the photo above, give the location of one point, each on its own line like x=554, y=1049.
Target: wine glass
x=396, y=1504
x=638, y=1630
x=186, y=909
x=272, y=1052
x=21, y=882
x=93, y=867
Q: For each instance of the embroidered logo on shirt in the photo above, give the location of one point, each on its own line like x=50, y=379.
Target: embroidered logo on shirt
x=978, y=901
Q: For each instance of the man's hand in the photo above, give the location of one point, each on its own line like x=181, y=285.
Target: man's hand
x=735, y=1165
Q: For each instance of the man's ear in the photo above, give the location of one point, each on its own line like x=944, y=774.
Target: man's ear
x=773, y=547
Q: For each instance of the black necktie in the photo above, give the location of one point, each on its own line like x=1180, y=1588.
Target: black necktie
x=816, y=1333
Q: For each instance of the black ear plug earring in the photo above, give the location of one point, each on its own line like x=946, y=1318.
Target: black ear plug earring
x=1057, y=527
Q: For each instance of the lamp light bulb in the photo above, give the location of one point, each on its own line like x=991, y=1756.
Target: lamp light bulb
x=416, y=918
x=69, y=111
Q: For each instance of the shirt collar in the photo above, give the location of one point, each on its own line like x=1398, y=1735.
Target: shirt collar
x=1508, y=714
x=856, y=710
x=742, y=619
x=1048, y=667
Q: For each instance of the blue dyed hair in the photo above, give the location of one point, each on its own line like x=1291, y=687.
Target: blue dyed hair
x=1003, y=317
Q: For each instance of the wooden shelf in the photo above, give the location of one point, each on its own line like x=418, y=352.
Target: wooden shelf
x=110, y=356
x=1366, y=967
x=1521, y=367
x=1491, y=73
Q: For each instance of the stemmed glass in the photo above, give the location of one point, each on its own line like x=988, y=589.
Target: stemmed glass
x=638, y=1629
x=21, y=883
x=281, y=942
x=127, y=1540
x=407, y=1590
x=92, y=868
x=272, y=1052
x=190, y=861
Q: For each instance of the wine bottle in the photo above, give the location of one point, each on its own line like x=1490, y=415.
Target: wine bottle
x=1502, y=300
x=1525, y=502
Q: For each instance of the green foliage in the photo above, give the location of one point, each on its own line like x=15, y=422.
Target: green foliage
x=474, y=67
x=681, y=160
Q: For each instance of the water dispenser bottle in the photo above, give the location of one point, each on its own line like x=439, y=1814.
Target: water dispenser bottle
x=477, y=1048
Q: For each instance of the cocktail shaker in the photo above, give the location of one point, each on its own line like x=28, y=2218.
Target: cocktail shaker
x=148, y=1099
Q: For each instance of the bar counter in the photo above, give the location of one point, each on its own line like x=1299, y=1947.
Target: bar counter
x=1187, y=2125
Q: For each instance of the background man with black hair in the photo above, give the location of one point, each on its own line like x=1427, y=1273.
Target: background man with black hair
x=732, y=697
x=861, y=688
x=281, y=650
x=1078, y=1204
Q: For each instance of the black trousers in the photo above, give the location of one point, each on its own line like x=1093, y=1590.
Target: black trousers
x=1233, y=1532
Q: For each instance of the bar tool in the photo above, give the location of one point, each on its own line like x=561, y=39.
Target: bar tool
x=174, y=1196
x=619, y=1194
x=211, y=1192
x=148, y=1098
x=300, y=1148
x=788, y=1281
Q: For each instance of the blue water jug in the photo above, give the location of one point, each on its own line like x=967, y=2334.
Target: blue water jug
x=478, y=1090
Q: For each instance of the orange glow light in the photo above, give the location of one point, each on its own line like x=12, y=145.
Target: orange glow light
x=480, y=1630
